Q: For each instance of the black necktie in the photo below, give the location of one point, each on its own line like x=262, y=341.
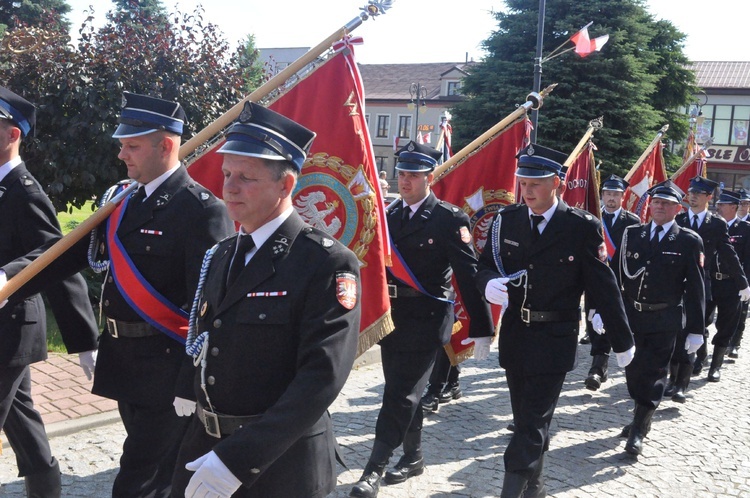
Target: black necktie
x=405, y=216
x=608, y=219
x=655, y=238
x=694, y=225
x=535, y=220
x=238, y=263
x=137, y=198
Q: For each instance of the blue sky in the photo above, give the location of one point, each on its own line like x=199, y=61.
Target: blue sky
x=438, y=31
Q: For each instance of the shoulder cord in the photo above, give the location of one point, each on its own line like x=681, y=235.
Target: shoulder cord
x=624, y=264
x=99, y=266
x=516, y=279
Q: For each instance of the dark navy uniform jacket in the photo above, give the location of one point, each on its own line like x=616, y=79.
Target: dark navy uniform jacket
x=436, y=244
x=166, y=240
x=671, y=274
x=568, y=258
x=281, y=345
x=27, y=221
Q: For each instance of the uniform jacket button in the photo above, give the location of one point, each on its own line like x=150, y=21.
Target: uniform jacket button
x=211, y=380
x=148, y=248
x=106, y=302
x=214, y=351
x=110, y=279
x=255, y=471
x=262, y=316
x=531, y=267
x=217, y=323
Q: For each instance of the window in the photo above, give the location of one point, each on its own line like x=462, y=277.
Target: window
x=381, y=163
x=728, y=125
x=454, y=88
x=384, y=125
x=404, y=126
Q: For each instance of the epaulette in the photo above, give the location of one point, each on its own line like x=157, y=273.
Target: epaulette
x=200, y=192
x=450, y=207
x=29, y=184
x=510, y=208
x=581, y=213
x=320, y=237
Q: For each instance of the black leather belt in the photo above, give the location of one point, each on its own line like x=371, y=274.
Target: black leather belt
x=396, y=291
x=649, y=306
x=529, y=316
x=721, y=276
x=117, y=328
x=218, y=425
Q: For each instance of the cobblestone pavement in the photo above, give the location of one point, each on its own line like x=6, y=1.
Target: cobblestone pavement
x=701, y=448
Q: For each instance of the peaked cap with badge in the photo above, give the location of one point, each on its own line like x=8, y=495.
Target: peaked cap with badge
x=142, y=115
x=615, y=184
x=18, y=111
x=729, y=197
x=667, y=190
x=702, y=185
x=744, y=195
x=417, y=158
x=535, y=161
x=261, y=132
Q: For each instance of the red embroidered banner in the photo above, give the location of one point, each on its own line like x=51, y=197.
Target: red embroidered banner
x=649, y=173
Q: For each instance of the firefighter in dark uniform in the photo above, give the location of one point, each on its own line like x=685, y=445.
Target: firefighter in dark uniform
x=659, y=267
x=158, y=235
x=28, y=220
x=433, y=238
x=713, y=230
x=725, y=300
x=539, y=260
x=276, y=329
x=734, y=344
x=614, y=221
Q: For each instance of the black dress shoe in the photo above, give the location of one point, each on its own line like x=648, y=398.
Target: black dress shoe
x=430, y=402
x=697, y=367
x=404, y=469
x=511, y=427
x=714, y=375
x=594, y=381
x=733, y=352
x=585, y=340
x=670, y=390
x=367, y=487
x=679, y=396
x=450, y=393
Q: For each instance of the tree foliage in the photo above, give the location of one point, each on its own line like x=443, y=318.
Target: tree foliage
x=636, y=82
x=21, y=13
x=78, y=91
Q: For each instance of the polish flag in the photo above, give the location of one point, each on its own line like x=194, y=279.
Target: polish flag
x=586, y=46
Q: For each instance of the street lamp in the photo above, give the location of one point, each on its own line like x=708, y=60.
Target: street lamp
x=418, y=93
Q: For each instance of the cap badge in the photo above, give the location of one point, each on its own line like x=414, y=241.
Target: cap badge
x=530, y=150
x=246, y=115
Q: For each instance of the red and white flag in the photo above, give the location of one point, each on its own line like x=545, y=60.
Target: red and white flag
x=696, y=168
x=650, y=172
x=481, y=184
x=582, y=184
x=395, y=143
x=586, y=46
x=337, y=190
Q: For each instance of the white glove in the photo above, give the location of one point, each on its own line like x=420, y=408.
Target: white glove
x=745, y=294
x=624, y=358
x=481, y=346
x=496, y=291
x=183, y=407
x=87, y=360
x=212, y=479
x=693, y=343
x=596, y=322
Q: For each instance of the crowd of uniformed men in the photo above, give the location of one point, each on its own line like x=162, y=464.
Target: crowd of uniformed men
x=269, y=314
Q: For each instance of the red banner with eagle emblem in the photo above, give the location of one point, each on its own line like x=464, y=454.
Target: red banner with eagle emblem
x=480, y=184
x=337, y=191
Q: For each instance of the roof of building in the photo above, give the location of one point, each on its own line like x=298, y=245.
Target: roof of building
x=722, y=74
x=392, y=81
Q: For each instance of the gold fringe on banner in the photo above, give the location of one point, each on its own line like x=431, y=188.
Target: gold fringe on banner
x=372, y=334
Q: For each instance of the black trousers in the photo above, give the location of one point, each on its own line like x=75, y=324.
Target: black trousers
x=406, y=374
x=22, y=423
x=533, y=399
x=655, y=334
x=150, y=450
x=726, y=303
x=443, y=373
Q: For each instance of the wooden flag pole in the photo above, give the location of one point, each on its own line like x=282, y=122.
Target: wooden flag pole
x=372, y=9
x=594, y=124
x=646, y=152
x=692, y=158
x=533, y=101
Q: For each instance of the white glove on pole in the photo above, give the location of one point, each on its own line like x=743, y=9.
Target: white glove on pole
x=624, y=358
x=745, y=294
x=693, y=343
x=596, y=322
x=87, y=360
x=183, y=407
x=496, y=291
x=212, y=479
x=481, y=346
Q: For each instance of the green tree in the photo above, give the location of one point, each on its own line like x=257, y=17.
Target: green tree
x=48, y=13
x=78, y=92
x=636, y=82
x=252, y=67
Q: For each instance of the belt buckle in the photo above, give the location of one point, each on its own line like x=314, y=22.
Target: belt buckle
x=525, y=315
x=719, y=276
x=392, y=291
x=211, y=423
x=112, y=328
x=638, y=306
